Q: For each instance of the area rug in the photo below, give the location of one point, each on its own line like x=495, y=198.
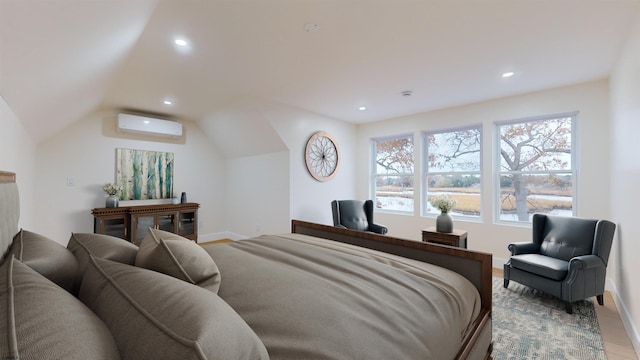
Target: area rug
x=529, y=324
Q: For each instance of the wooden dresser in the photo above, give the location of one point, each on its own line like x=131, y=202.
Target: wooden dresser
x=132, y=222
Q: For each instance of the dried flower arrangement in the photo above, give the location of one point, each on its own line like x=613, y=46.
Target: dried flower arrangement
x=444, y=203
x=111, y=189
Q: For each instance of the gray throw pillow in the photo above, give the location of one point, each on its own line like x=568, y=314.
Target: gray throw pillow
x=47, y=257
x=40, y=320
x=155, y=316
x=179, y=257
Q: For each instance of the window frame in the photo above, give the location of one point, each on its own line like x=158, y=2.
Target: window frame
x=374, y=175
x=426, y=173
x=498, y=172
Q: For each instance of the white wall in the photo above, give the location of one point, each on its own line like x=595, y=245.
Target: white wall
x=17, y=154
x=590, y=99
x=258, y=194
x=86, y=152
x=273, y=187
x=264, y=143
x=310, y=200
x=625, y=172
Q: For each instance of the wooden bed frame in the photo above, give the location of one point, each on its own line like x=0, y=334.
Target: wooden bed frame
x=473, y=265
x=8, y=228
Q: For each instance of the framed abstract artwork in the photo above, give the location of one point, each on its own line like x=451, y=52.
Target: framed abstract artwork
x=144, y=174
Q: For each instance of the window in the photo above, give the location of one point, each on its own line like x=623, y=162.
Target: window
x=452, y=167
x=392, y=173
x=536, y=167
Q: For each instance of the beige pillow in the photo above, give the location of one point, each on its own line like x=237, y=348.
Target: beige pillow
x=47, y=257
x=40, y=320
x=155, y=316
x=103, y=246
x=179, y=257
x=83, y=245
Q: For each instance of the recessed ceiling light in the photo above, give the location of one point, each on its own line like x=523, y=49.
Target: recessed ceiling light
x=310, y=27
x=167, y=102
x=508, y=74
x=182, y=45
x=362, y=108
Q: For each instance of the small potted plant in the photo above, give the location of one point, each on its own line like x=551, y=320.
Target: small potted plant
x=112, y=190
x=444, y=222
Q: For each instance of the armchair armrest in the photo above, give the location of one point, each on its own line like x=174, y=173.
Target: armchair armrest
x=523, y=248
x=582, y=270
x=585, y=262
x=377, y=228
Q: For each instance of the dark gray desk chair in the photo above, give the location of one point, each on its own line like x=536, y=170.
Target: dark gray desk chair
x=567, y=258
x=356, y=215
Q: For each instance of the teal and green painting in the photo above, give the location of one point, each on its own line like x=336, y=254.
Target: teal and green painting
x=144, y=174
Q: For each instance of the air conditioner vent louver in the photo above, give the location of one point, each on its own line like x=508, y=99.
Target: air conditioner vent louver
x=147, y=125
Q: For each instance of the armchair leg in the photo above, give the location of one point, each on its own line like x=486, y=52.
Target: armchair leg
x=506, y=273
x=569, y=307
x=600, y=299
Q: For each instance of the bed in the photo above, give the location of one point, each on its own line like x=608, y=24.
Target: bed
x=338, y=293
x=322, y=292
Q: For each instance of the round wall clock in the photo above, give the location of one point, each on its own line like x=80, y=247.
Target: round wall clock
x=322, y=156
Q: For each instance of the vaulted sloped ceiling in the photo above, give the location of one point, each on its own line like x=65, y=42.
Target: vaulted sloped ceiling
x=63, y=59
x=58, y=58
x=241, y=129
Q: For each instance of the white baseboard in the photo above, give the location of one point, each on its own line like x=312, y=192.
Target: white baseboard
x=625, y=316
x=498, y=263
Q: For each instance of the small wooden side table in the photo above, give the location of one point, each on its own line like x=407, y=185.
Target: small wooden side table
x=456, y=238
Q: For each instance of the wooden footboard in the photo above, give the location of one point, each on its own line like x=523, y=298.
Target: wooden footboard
x=9, y=211
x=473, y=265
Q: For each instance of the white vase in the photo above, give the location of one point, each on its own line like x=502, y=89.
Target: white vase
x=444, y=223
x=112, y=201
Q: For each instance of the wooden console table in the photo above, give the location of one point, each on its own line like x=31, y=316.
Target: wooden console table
x=132, y=222
x=455, y=238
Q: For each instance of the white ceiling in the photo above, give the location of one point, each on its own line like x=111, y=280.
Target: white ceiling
x=63, y=59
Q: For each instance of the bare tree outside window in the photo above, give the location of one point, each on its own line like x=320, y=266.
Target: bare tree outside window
x=453, y=168
x=536, y=167
x=393, y=173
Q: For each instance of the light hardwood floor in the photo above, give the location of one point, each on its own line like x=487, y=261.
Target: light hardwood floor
x=617, y=344
x=216, y=242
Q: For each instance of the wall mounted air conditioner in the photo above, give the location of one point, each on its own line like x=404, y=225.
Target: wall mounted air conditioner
x=147, y=125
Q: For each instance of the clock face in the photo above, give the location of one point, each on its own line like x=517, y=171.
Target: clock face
x=322, y=156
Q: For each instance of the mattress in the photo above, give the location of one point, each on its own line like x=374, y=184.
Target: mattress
x=310, y=298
